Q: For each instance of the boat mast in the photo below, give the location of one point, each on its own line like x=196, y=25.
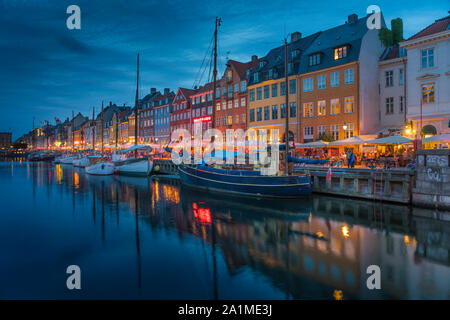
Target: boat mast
x=286, y=93
x=213, y=120
x=93, y=130
x=73, y=133
x=103, y=125
x=136, y=108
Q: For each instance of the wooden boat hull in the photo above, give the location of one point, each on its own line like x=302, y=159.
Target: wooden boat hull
x=245, y=183
x=101, y=169
x=134, y=168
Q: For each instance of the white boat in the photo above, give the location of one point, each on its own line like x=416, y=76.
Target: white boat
x=101, y=168
x=66, y=160
x=134, y=166
x=81, y=162
x=142, y=166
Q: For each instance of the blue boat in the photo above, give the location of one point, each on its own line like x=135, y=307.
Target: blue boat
x=245, y=182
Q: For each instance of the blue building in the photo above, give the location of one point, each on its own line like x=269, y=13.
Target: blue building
x=161, y=112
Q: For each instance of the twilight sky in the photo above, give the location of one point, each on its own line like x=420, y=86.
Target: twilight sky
x=47, y=70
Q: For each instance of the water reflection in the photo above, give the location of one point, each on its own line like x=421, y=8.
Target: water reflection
x=161, y=240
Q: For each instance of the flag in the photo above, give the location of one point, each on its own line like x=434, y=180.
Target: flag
x=329, y=175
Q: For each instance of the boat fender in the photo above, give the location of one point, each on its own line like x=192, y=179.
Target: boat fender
x=156, y=168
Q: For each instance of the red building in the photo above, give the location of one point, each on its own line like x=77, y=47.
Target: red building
x=231, y=96
x=180, y=115
x=201, y=107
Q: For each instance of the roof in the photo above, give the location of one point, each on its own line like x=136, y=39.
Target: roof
x=242, y=67
x=275, y=59
x=392, y=53
x=186, y=92
x=436, y=27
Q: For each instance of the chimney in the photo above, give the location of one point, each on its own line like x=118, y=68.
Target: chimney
x=152, y=90
x=254, y=57
x=110, y=103
x=352, y=18
x=296, y=36
x=166, y=91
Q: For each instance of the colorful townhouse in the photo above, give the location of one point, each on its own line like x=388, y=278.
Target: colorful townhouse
x=180, y=115
x=428, y=80
x=161, y=116
x=231, y=96
x=267, y=90
x=339, y=94
x=202, y=107
x=146, y=121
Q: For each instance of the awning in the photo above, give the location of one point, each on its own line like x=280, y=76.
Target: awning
x=314, y=144
x=353, y=141
x=390, y=140
x=442, y=138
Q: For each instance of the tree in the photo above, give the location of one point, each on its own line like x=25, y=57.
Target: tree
x=326, y=138
x=392, y=37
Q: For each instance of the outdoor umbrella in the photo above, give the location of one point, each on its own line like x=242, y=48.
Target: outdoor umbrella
x=390, y=140
x=442, y=138
x=353, y=141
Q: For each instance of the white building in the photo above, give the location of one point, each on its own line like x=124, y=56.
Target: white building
x=427, y=79
x=392, y=110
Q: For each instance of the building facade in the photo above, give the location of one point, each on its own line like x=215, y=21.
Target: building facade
x=427, y=80
x=161, y=116
x=180, y=115
x=201, y=107
x=5, y=139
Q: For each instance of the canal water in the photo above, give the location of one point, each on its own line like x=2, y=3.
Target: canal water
x=150, y=238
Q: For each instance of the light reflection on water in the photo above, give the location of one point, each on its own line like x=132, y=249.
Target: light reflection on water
x=145, y=238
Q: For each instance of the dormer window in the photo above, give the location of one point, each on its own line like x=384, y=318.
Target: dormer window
x=256, y=77
x=261, y=64
x=270, y=73
x=289, y=68
x=340, y=52
x=229, y=75
x=314, y=59
x=294, y=54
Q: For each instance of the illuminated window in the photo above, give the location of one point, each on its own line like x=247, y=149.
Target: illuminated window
x=308, y=110
x=428, y=93
x=334, y=106
x=349, y=104
x=340, y=52
x=218, y=106
x=321, y=108
x=230, y=120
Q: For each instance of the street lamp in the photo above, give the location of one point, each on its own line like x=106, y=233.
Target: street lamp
x=344, y=126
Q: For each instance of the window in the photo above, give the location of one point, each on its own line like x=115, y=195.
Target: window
x=243, y=118
x=308, y=110
x=400, y=76
x=224, y=91
x=266, y=113
x=389, y=78
x=293, y=110
x=292, y=86
x=230, y=91
x=340, y=52
x=266, y=92
x=224, y=121
x=275, y=90
x=230, y=120
x=274, y=112
x=321, y=131
x=321, y=82
x=282, y=88
x=402, y=103
x=236, y=119
x=428, y=93
x=256, y=77
x=427, y=58
x=349, y=131
x=252, y=95
x=308, y=84
x=242, y=102
x=321, y=108
x=389, y=105
x=335, y=106
x=314, y=59
x=308, y=132
x=348, y=75
x=243, y=86
x=259, y=114
x=259, y=93
x=335, y=79
x=283, y=111
x=230, y=104
x=270, y=74
x=349, y=104
x=218, y=106
x=294, y=54
x=236, y=87
x=289, y=68
x=224, y=105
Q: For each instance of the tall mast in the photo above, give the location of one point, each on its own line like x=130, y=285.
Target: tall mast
x=213, y=120
x=73, y=132
x=286, y=92
x=136, y=108
x=93, y=129
x=103, y=125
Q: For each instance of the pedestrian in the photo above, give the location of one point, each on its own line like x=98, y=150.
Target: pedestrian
x=352, y=160
x=349, y=155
